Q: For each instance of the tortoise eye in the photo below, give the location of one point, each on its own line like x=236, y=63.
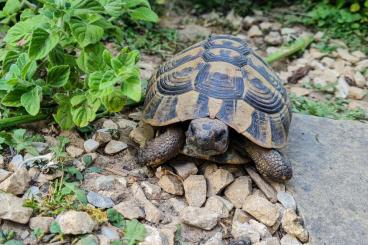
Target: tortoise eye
x=220, y=135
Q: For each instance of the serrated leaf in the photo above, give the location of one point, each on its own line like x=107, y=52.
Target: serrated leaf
x=90, y=59
x=113, y=7
x=144, y=14
x=114, y=102
x=107, y=56
x=63, y=116
x=134, y=232
x=58, y=76
x=85, y=110
x=355, y=7
x=132, y=89
x=31, y=100
x=82, y=7
x=11, y=6
x=85, y=33
x=42, y=42
x=10, y=58
x=135, y=3
x=13, y=98
x=115, y=218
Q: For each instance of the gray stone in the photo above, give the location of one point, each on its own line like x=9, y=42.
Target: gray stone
x=154, y=237
x=260, y=228
x=16, y=162
x=43, y=223
x=292, y=224
x=99, y=201
x=104, y=182
x=184, y=169
x=217, y=181
x=1, y=161
x=74, y=151
x=91, y=145
x=192, y=33
x=33, y=192
x=219, y=205
x=273, y=38
x=269, y=241
x=171, y=184
x=290, y=240
x=110, y=232
x=199, y=217
x=127, y=125
x=261, y=209
x=17, y=183
x=129, y=209
x=102, y=136
x=115, y=146
x=109, y=124
x=12, y=209
x=215, y=240
x=254, y=31
x=75, y=222
x=142, y=134
x=239, y=230
x=152, y=191
x=195, y=188
x=4, y=174
x=237, y=191
x=330, y=179
x=286, y=200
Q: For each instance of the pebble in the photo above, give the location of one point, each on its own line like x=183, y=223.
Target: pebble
x=195, y=189
x=344, y=54
x=102, y=136
x=114, y=147
x=215, y=240
x=152, y=191
x=356, y=93
x=41, y=222
x=239, y=230
x=217, y=181
x=362, y=65
x=4, y=174
x=359, y=79
x=130, y=209
x=136, y=116
x=110, y=232
x=142, y=134
x=299, y=91
x=16, y=162
x=287, y=31
x=237, y=191
x=154, y=237
x=260, y=228
x=241, y=216
x=254, y=31
x=109, y=124
x=153, y=214
x=269, y=241
x=199, y=217
x=219, y=205
x=342, y=88
x=1, y=161
x=286, y=200
x=289, y=240
x=89, y=239
x=75, y=222
x=248, y=21
x=184, y=169
x=99, y=201
x=74, y=151
x=91, y=145
x=273, y=38
x=265, y=26
x=17, y=183
x=192, y=33
x=127, y=125
x=261, y=209
x=292, y=224
x=12, y=209
x=171, y=184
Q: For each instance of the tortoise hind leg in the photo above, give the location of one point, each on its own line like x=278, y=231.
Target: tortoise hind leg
x=270, y=162
x=162, y=148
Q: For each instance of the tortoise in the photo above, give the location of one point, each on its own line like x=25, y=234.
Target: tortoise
x=218, y=100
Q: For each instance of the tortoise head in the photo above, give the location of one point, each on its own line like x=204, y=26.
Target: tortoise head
x=206, y=137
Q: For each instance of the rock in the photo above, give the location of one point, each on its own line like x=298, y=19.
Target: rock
x=4, y=174
x=359, y=54
x=12, y=209
x=109, y=124
x=261, y=209
x=192, y=33
x=327, y=61
x=289, y=240
x=355, y=104
x=153, y=214
x=16, y=162
x=237, y=191
x=184, y=169
x=329, y=75
x=240, y=216
x=99, y=201
x=248, y=21
x=127, y=125
x=239, y=230
x=1, y=161
x=17, y=183
x=292, y=224
x=362, y=65
x=199, y=217
x=217, y=181
x=286, y=200
x=287, y=31
x=234, y=20
x=33, y=192
x=91, y=145
x=260, y=228
x=273, y=38
x=171, y=184
x=342, y=88
x=110, y=232
x=344, y=54
x=142, y=134
x=265, y=26
x=102, y=136
x=195, y=189
x=299, y=91
x=21, y=231
x=105, y=182
x=177, y=205
x=266, y=188
x=152, y=191
x=356, y=93
x=129, y=209
x=43, y=223
x=269, y=241
x=137, y=116
x=88, y=239
x=219, y=205
x=154, y=237
x=254, y=31
x=75, y=222
x=360, y=80
x=114, y=147
x=215, y=240
x=74, y=151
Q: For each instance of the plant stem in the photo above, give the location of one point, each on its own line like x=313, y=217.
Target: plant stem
x=13, y=121
x=284, y=52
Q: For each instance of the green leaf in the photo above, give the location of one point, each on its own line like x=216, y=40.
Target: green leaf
x=81, y=196
x=132, y=88
x=115, y=101
x=10, y=58
x=135, y=3
x=85, y=33
x=90, y=59
x=113, y=7
x=145, y=14
x=63, y=114
x=115, y=218
x=355, y=7
x=42, y=42
x=31, y=100
x=13, y=98
x=58, y=76
x=84, y=109
x=14, y=242
x=55, y=228
x=134, y=232
x=82, y=7
x=11, y=6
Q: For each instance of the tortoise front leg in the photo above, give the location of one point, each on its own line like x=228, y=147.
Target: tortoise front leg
x=270, y=162
x=162, y=148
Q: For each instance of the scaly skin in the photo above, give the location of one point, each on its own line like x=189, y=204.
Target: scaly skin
x=269, y=162
x=162, y=148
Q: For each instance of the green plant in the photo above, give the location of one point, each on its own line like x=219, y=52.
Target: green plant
x=115, y=218
x=6, y=236
x=55, y=58
x=59, y=149
x=134, y=232
x=38, y=233
x=20, y=141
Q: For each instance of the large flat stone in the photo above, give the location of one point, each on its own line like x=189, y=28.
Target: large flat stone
x=330, y=183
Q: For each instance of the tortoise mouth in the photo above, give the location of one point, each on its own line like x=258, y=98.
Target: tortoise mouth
x=206, y=137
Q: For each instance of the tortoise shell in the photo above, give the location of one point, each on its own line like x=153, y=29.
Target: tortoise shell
x=223, y=78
